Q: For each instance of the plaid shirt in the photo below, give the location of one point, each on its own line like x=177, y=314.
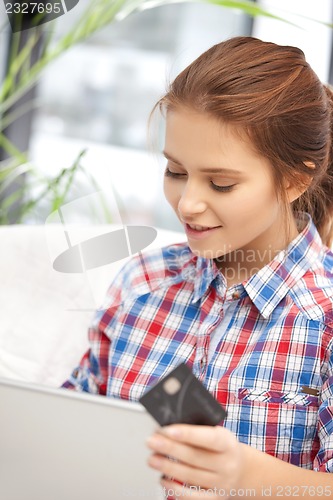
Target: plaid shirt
x=272, y=365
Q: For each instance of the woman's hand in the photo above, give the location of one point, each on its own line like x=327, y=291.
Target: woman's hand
x=207, y=461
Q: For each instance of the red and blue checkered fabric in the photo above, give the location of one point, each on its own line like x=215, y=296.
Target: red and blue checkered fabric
x=273, y=365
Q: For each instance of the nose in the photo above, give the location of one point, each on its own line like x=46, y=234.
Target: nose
x=191, y=202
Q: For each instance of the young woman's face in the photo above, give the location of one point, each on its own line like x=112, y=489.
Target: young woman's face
x=220, y=188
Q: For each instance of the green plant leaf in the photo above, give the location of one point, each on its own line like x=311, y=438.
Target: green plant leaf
x=17, y=62
x=7, y=204
x=250, y=8
x=12, y=150
x=96, y=16
x=7, y=166
x=60, y=199
x=13, y=175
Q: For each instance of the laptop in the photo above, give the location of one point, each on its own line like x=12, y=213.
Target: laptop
x=57, y=444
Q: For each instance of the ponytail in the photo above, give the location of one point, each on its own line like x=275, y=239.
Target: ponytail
x=325, y=220
x=318, y=199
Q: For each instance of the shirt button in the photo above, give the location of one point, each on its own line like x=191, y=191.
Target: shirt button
x=235, y=295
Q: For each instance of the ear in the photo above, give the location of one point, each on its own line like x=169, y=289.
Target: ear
x=309, y=164
x=295, y=191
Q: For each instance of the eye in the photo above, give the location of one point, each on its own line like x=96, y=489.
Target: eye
x=169, y=173
x=222, y=189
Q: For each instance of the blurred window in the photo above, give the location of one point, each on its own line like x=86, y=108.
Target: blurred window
x=103, y=90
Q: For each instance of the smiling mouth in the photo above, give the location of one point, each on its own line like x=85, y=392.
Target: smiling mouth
x=199, y=229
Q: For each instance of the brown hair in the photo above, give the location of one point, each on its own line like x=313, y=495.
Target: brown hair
x=272, y=93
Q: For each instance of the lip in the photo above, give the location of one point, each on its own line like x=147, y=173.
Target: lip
x=199, y=235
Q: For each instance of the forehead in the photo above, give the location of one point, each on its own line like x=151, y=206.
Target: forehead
x=197, y=139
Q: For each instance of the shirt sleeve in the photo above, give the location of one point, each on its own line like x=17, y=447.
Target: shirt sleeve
x=323, y=461
x=139, y=275
x=91, y=374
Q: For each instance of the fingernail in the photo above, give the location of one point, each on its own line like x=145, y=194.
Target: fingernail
x=173, y=432
x=155, y=462
x=154, y=442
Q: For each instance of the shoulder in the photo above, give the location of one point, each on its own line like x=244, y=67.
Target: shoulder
x=152, y=269
x=313, y=293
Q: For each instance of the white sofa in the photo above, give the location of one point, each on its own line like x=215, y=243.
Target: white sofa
x=45, y=313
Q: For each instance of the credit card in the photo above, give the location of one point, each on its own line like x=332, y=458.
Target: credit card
x=181, y=398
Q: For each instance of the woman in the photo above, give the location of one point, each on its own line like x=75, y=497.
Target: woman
x=247, y=303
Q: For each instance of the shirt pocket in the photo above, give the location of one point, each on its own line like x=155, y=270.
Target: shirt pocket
x=272, y=397
x=283, y=424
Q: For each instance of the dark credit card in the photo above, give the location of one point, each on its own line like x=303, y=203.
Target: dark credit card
x=179, y=398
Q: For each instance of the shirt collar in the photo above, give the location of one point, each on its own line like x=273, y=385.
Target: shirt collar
x=271, y=283
x=206, y=272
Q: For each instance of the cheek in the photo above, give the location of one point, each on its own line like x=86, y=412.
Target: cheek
x=259, y=200
x=171, y=193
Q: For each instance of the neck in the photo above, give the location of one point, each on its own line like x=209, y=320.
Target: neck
x=240, y=264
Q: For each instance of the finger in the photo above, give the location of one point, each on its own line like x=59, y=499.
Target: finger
x=200, y=458
x=182, y=472
x=210, y=438
x=175, y=491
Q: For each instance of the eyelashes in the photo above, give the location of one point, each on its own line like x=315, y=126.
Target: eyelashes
x=221, y=189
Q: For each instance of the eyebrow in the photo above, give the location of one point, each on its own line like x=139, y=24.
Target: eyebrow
x=207, y=170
